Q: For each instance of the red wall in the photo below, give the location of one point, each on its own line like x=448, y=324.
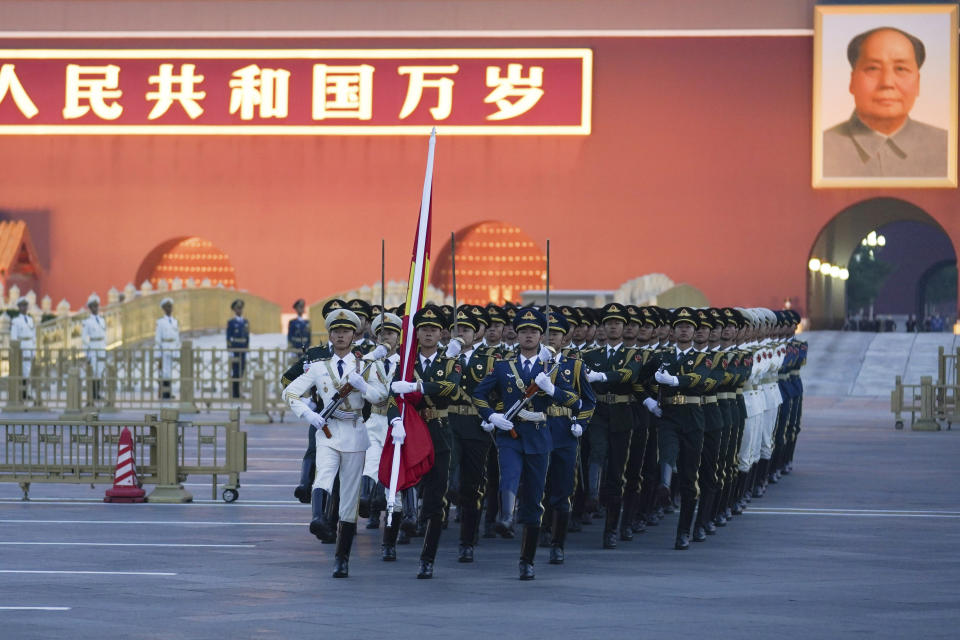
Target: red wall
x=698, y=167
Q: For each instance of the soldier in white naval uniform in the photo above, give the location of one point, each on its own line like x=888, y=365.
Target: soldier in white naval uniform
x=94, y=339
x=341, y=439
x=386, y=328
x=167, y=340
x=24, y=329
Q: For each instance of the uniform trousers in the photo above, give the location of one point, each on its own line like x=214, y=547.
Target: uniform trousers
x=562, y=477
x=638, y=450
x=349, y=466
x=377, y=432
x=238, y=365
x=433, y=484
x=680, y=439
x=528, y=473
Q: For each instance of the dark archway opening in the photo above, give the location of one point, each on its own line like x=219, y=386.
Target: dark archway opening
x=882, y=293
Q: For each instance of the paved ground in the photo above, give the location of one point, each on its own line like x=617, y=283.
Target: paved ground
x=860, y=540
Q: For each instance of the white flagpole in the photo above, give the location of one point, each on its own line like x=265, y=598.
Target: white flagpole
x=416, y=295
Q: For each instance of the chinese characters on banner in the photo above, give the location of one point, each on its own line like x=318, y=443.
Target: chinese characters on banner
x=305, y=92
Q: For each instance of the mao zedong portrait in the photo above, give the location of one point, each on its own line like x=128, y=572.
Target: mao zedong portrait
x=880, y=139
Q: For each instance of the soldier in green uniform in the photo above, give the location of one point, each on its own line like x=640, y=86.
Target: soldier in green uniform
x=437, y=378
x=680, y=432
x=707, y=477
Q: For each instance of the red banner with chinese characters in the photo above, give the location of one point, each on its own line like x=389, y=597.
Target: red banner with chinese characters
x=296, y=92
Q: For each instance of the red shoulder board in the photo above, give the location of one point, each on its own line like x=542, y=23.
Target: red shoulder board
x=358, y=354
x=497, y=356
x=456, y=367
x=724, y=363
x=709, y=363
x=638, y=357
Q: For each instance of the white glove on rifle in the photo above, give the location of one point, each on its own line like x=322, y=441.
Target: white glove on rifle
x=315, y=419
x=402, y=387
x=399, y=433
x=663, y=377
x=596, y=376
x=486, y=426
x=500, y=421
x=545, y=355
x=357, y=382
x=454, y=347
x=576, y=430
x=378, y=353
x=543, y=381
x=653, y=407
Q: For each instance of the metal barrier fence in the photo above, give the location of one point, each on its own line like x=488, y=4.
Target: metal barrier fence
x=927, y=403
x=200, y=379
x=166, y=451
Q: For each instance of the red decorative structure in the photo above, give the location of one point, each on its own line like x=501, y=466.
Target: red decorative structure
x=185, y=258
x=496, y=262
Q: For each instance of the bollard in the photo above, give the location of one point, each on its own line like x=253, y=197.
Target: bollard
x=258, y=400
x=168, y=489
x=15, y=386
x=941, y=366
x=187, y=403
x=926, y=421
x=896, y=404
x=73, y=394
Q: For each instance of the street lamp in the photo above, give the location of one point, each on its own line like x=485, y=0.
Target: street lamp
x=814, y=264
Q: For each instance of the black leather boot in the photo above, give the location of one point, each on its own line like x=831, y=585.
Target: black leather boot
x=409, y=501
x=704, y=509
x=345, y=533
x=378, y=499
x=528, y=550
x=388, y=547
x=366, y=489
x=504, y=526
x=610, y=524
x=431, y=540
x=626, y=518
x=560, y=521
x=687, y=505
x=302, y=492
x=374, y=521
x=320, y=523
x=468, y=533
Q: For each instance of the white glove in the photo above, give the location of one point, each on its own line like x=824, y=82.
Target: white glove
x=315, y=419
x=543, y=381
x=310, y=403
x=663, y=377
x=596, y=376
x=454, y=348
x=546, y=354
x=500, y=421
x=357, y=382
x=378, y=353
x=399, y=433
x=576, y=430
x=402, y=387
x=486, y=426
x=653, y=407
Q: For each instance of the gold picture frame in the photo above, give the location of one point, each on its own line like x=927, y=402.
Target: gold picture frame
x=914, y=162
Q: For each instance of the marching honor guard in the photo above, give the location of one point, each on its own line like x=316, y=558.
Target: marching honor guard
x=680, y=435
x=387, y=328
x=94, y=339
x=523, y=443
x=473, y=442
x=566, y=428
x=24, y=329
x=167, y=341
x=437, y=378
x=298, y=330
x=341, y=439
x=238, y=337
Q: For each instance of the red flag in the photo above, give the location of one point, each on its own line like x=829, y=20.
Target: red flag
x=416, y=453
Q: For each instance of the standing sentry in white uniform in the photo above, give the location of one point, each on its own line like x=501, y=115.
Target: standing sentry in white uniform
x=24, y=329
x=94, y=339
x=167, y=340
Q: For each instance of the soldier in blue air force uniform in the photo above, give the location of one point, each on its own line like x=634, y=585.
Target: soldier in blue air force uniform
x=298, y=330
x=238, y=337
x=523, y=444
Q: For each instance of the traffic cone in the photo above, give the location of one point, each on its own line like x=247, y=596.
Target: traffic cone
x=125, y=485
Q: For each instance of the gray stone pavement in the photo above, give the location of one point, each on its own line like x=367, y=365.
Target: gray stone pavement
x=860, y=540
